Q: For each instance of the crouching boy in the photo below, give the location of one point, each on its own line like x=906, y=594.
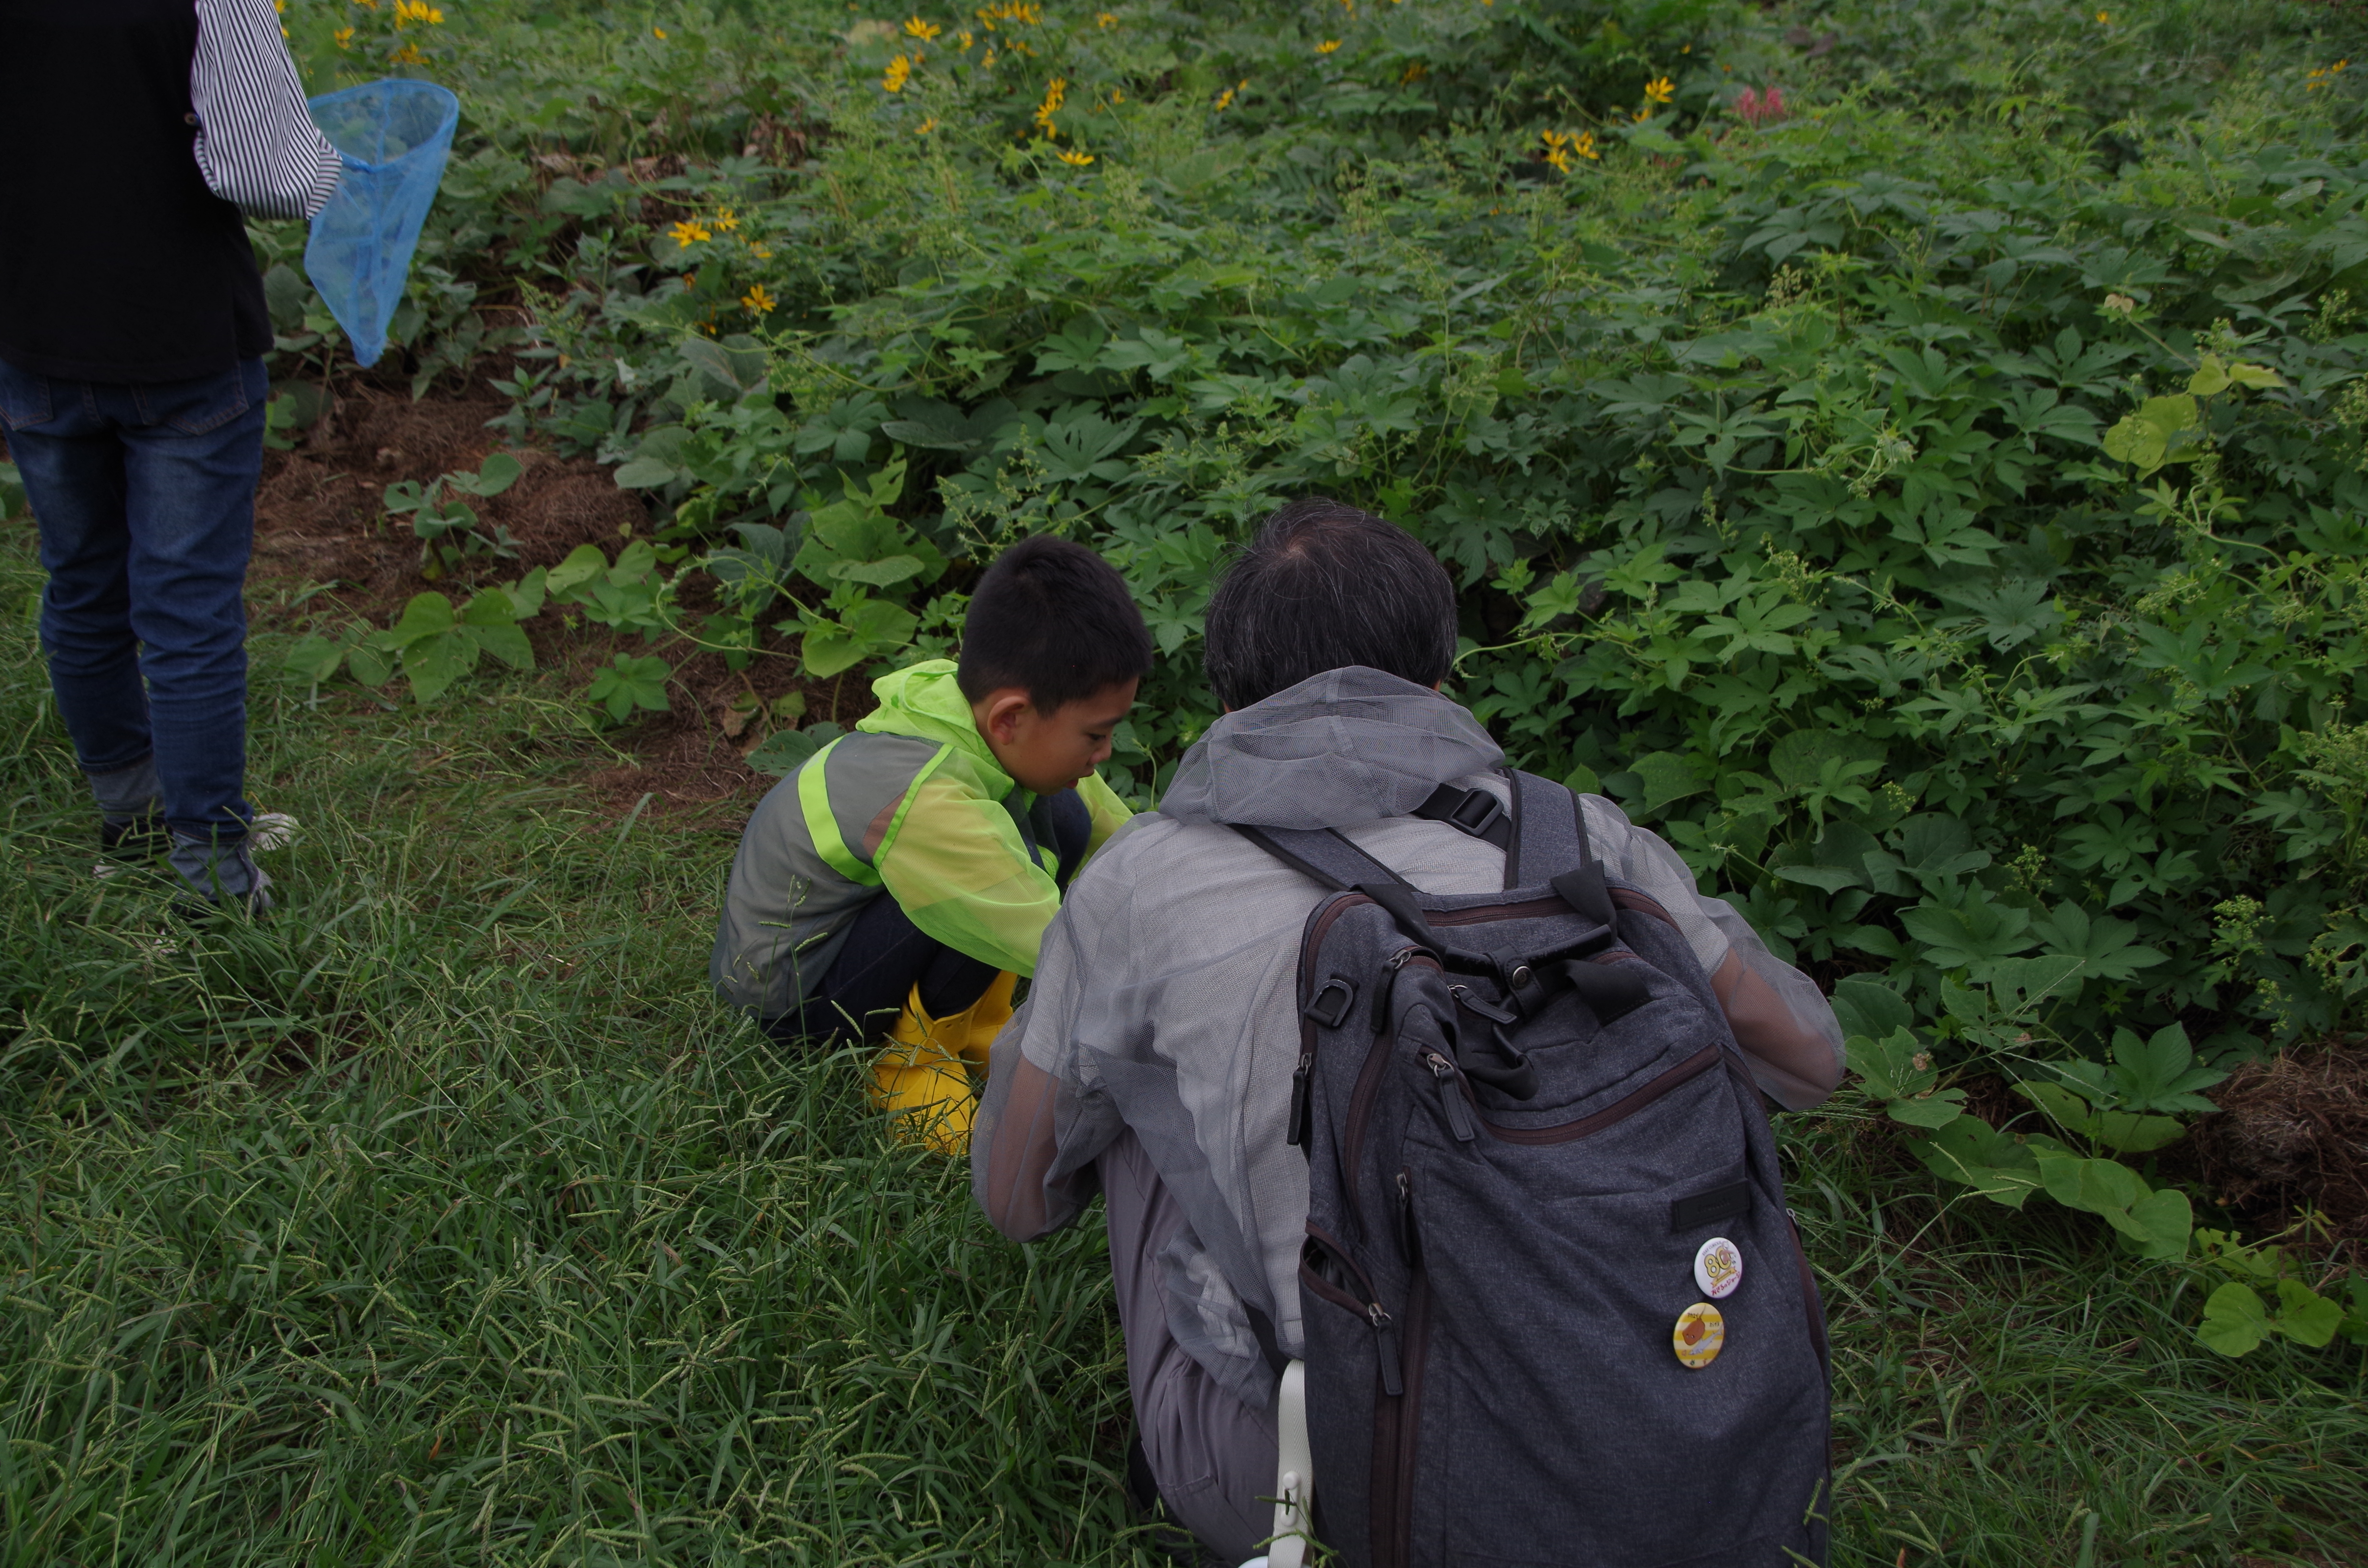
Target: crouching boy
x=900, y=880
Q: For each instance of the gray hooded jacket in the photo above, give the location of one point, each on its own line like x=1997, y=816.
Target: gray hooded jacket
x=1164, y=995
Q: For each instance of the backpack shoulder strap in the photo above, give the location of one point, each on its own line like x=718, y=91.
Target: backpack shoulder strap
x=1553, y=848
x=1322, y=853
x=1551, y=837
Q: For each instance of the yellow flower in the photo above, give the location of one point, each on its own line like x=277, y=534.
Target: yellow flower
x=2104, y=18
x=1074, y=158
x=408, y=55
x=1226, y=99
x=1106, y=20
x=987, y=60
x=344, y=37
x=920, y=29
x=1413, y=73
x=1056, y=92
x=926, y=126
x=1563, y=148
x=1116, y=97
x=689, y=232
x=756, y=299
x=899, y=72
x=963, y=39
x=1328, y=46
x=1660, y=90
x=409, y=11
x=657, y=32
x=726, y=220
x=761, y=251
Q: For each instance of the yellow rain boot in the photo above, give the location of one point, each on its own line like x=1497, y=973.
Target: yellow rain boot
x=919, y=1076
x=968, y=1032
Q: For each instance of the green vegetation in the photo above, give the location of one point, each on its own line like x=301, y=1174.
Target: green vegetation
x=1911, y=454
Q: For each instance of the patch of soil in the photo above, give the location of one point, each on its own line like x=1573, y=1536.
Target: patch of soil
x=319, y=514
x=320, y=520
x=2291, y=1135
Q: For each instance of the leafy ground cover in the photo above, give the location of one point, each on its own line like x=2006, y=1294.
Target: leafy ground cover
x=1911, y=454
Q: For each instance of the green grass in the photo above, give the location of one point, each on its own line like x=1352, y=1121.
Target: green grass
x=442, y=1219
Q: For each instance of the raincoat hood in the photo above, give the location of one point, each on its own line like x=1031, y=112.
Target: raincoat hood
x=1346, y=746
x=924, y=702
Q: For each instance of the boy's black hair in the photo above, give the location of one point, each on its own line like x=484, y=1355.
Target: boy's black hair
x=1325, y=586
x=1052, y=619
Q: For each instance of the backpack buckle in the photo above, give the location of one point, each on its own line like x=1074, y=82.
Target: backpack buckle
x=1476, y=814
x=1331, y=1005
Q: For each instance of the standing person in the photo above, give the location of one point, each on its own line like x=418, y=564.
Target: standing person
x=132, y=329
x=899, y=882
x=1153, y=1060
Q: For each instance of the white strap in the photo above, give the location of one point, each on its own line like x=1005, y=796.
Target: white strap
x=1294, y=1479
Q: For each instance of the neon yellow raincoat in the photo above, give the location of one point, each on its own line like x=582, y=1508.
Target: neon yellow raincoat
x=912, y=804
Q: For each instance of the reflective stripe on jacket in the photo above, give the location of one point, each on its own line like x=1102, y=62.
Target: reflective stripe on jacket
x=912, y=804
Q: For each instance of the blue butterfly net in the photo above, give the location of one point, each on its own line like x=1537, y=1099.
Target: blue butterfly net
x=393, y=137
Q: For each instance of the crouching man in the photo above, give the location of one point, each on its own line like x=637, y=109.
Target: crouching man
x=1154, y=1059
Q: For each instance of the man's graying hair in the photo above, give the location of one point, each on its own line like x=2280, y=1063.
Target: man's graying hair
x=1325, y=586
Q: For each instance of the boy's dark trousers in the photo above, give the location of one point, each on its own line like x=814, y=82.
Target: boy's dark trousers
x=885, y=957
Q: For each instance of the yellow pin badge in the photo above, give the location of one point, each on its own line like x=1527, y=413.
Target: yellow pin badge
x=1700, y=1334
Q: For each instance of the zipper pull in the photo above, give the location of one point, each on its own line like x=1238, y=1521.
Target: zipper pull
x=1386, y=1336
x=1450, y=1094
x=1301, y=1124
x=1389, y=984
x=1409, y=1242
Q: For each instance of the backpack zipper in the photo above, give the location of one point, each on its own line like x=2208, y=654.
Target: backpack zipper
x=1392, y=1519
x=1368, y=1084
x=1451, y=1100
x=1619, y=1110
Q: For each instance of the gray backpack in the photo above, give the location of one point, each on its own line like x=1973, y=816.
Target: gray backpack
x=1555, y=1310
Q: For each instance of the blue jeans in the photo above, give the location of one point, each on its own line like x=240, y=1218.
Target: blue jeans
x=145, y=500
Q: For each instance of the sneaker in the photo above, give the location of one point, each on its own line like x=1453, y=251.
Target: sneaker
x=271, y=830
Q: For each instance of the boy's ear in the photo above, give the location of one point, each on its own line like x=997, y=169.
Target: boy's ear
x=999, y=714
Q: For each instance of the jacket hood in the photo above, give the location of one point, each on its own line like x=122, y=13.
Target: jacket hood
x=922, y=701
x=1346, y=746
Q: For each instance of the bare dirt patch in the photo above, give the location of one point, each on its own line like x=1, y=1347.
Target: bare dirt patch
x=2291, y=1137
x=321, y=523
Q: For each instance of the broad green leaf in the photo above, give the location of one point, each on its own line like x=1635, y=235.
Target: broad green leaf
x=1936, y=1108
x=584, y=564
x=2235, y=1321
x=1892, y=1067
x=496, y=475
x=827, y=650
x=1800, y=759
x=2126, y=1132
x=2210, y=377
x=1667, y=777
x=2304, y=1316
x=371, y=662
x=527, y=594
x=1971, y=935
x=877, y=573
x=1867, y=1006
x=434, y=661
x=315, y=659
x=427, y=615
x=645, y=474
x=507, y=644
x=1971, y=1153
x=2157, y=1224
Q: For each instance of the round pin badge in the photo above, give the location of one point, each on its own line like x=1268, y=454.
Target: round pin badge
x=1718, y=1268
x=1700, y=1334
